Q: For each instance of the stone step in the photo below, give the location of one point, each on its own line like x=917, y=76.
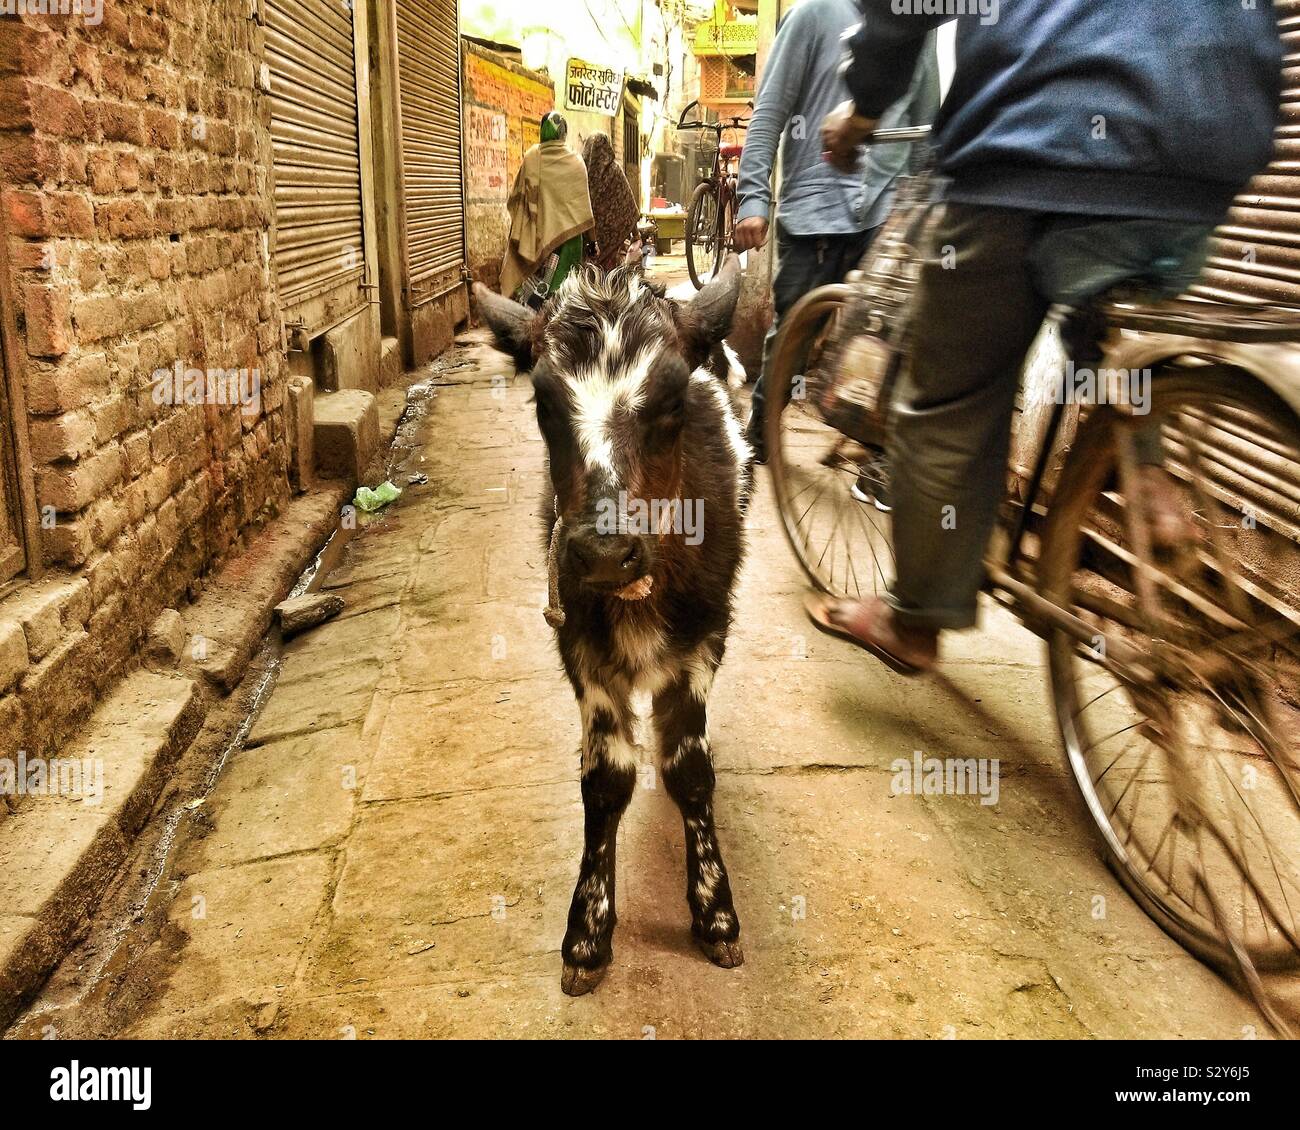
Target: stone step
x=346, y=433
x=59, y=851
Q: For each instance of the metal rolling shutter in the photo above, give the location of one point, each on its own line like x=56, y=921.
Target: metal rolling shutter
x=1256, y=257
x=317, y=156
x=428, y=68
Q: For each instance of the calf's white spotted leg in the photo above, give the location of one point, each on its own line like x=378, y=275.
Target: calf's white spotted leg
x=687, y=767
x=608, y=777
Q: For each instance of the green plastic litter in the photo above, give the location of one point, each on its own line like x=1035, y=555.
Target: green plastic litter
x=371, y=500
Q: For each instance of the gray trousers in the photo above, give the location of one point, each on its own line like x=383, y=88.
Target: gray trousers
x=986, y=285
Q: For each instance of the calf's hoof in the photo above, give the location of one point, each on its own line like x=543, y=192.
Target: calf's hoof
x=728, y=955
x=577, y=981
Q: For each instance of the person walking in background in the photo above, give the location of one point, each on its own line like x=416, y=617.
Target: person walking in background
x=827, y=217
x=612, y=201
x=1086, y=143
x=550, y=213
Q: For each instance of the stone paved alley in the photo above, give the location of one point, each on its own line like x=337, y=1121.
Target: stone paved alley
x=392, y=850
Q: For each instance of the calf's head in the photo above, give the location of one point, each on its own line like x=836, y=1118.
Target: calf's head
x=611, y=363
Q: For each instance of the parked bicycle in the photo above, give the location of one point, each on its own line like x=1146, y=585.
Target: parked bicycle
x=1175, y=670
x=711, y=215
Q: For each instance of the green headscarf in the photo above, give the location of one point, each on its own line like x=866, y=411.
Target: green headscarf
x=554, y=127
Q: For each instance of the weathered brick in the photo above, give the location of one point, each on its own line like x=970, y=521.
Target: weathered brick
x=97, y=318
x=128, y=171
x=26, y=157
x=107, y=518
x=74, y=215
x=148, y=33
x=161, y=128
x=13, y=652
x=39, y=610
x=27, y=212
x=112, y=418
x=26, y=255
x=47, y=319
x=70, y=488
x=121, y=123
x=25, y=48
x=125, y=219
x=67, y=542
x=102, y=167
x=134, y=162
x=56, y=112
x=137, y=451
x=67, y=386
x=63, y=439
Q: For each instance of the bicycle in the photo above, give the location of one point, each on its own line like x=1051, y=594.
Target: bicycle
x=1175, y=672
x=711, y=215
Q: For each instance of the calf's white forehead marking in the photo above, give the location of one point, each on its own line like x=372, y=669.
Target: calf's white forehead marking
x=602, y=389
x=598, y=395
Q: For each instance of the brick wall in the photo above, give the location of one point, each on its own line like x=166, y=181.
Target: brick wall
x=134, y=157
x=503, y=108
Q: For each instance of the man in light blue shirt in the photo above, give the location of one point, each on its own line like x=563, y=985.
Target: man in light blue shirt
x=827, y=218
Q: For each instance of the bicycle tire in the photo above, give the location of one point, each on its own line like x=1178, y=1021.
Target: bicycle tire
x=799, y=331
x=1086, y=477
x=706, y=193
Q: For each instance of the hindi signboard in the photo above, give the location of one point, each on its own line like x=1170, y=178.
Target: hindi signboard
x=591, y=87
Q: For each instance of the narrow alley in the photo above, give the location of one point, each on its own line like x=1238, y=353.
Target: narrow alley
x=386, y=389
x=391, y=851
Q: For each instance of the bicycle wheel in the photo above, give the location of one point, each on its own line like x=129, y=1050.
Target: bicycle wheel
x=1186, y=750
x=703, y=234
x=830, y=488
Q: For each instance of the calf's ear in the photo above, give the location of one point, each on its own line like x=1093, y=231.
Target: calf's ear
x=511, y=325
x=706, y=319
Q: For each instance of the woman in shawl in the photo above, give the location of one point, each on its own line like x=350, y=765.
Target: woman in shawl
x=611, y=201
x=550, y=211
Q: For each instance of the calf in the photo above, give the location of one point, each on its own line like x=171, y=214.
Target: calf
x=644, y=512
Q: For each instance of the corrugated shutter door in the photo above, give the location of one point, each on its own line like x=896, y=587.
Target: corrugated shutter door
x=1256, y=257
x=318, y=241
x=428, y=67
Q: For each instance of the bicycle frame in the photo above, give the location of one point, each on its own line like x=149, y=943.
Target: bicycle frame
x=722, y=179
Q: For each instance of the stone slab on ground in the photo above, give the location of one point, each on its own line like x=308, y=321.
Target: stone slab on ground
x=299, y=613
x=289, y=796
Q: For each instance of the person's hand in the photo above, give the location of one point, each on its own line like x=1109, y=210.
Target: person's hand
x=750, y=232
x=843, y=133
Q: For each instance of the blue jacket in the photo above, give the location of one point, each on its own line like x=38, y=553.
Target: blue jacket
x=1161, y=109
x=800, y=85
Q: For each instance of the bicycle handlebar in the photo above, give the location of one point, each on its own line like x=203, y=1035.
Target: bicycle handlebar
x=902, y=133
x=717, y=127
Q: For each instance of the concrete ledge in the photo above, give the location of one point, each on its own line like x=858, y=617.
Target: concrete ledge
x=346, y=435
x=227, y=623
x=60, y=850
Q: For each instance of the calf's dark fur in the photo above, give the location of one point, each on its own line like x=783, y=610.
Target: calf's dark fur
x=630, y=416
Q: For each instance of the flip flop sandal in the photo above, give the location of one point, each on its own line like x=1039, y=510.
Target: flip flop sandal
x=816, y=605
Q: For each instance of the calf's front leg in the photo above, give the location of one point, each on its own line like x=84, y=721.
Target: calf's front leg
x=687, y=766
x=608, y=777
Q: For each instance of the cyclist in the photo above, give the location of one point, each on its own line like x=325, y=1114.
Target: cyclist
x=1087, y=142
x=827, y=219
